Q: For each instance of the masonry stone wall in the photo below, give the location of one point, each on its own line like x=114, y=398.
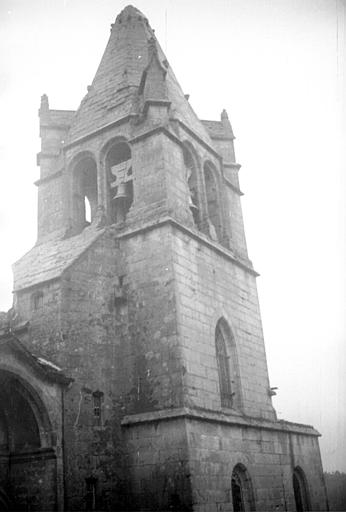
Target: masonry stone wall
x=33, y=482
x=238, y=241
x=152, y=319
x=209, y=286
x=269, y=455
x=158, y=463
x=94, y=327
x=305, y=454
x=45, y=332
x=50, y=212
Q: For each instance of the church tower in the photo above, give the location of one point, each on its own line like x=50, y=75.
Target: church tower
x=140, y=301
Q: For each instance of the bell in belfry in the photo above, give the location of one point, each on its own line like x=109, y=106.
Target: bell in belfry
x=120, y=202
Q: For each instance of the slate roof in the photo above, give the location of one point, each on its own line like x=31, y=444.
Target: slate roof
x=43, y=367
x=48, y=260
x=217, y=129
x=113, y=92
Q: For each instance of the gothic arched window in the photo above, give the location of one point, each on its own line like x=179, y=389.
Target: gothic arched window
x=227, y=365
x=84, y=192
x=242, y=492
x=213, y=204
x=191, y=176
x=301, y=495
x=120, y=179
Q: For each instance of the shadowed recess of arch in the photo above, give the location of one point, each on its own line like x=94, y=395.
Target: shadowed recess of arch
x=191, y=166
x=84, y=175
x=213, y=202
x=300, y=488
x=243, y=499
x=5, y=502
x=228, y=366
x=25, y=424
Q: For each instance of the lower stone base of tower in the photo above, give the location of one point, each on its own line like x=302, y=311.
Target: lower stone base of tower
x=213, y=462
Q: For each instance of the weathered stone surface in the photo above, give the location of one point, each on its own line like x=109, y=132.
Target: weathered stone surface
x=144, y=356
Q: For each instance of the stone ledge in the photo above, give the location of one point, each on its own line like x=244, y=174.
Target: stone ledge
x=218, y=417
x=197, y=236
x=233, y=187
x=37, y=455
x=232, y=165
x=154, y=131
x=83, y=138
x=199, y=139
x=49, y=177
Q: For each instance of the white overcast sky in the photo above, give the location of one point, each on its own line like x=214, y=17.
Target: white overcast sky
x=278, y=67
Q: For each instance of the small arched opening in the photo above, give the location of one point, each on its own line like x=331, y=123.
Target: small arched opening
x=227, y=365
x=36, y=300
x=300, y=489
x=120, y=180
x=192, y=181
x=84, y=192
x=213, y=203
x=241, y=489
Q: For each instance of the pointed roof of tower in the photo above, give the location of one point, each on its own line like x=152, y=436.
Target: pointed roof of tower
x=113, y=93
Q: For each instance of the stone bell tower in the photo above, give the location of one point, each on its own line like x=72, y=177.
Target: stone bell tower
x=141, y=290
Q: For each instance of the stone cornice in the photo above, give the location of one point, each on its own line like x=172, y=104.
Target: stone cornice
x=56, y=174
x=46, y=155
x=103, y=129
x=34, y=286
x=220, y=137
x=226, y=253
x=41, y=454
x=233, y=187
x=155, y=103
x=54, y=126
x=218, y=417
x=232, y=165
x=154, y=131
x=199, y=139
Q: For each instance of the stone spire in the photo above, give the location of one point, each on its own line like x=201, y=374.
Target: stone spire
x=132, y=50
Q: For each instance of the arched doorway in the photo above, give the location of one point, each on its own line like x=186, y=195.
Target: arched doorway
x=242, y=492
x=27, y=459
x=300, y=489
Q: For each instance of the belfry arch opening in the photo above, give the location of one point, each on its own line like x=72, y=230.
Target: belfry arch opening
x=192, y=181
x=300, y=489
x=120, y=180
x=84, y=192
x=241, y=490
x=213, y=203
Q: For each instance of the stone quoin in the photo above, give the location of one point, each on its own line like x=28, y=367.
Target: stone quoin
x=133, y=370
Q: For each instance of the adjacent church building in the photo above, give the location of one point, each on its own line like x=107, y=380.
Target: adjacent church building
x=133, y=374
